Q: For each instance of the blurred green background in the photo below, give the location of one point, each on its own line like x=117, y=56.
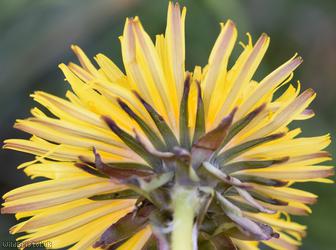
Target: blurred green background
x=35, y=36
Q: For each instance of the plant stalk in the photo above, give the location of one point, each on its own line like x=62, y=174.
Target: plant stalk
x=185, y=205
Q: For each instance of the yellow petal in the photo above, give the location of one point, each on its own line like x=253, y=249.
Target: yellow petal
x=273, y=221
x=298, y=172
x=85, y=61
x=268, y=84
x=286, y=194
x=58, y=152
x=68, y=111
x=292, y=148
x=136, y=73
x=61, y=229
x=286, y=115
x=283, y=243
x=55, y=198
x=51, y=186
x=80, y=72
x=49, y=131
x=244, y=74
x=75, y=129
x=54, y=170
x=114, y=91
x=293, y=207
x=72, y=215
x=151, y=66
x=175, y=48
x=246, y=245
x=217, y=66
x=113, y=73
x=95, y=102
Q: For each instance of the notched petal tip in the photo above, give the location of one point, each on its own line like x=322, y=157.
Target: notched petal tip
x=297, y=59
x=230, y=24
x=74, y=48
x=263, y=38
x=328, y=172
x=62, y=66
x=8, y=210
x=130, y=21
x=174, y=9
x=3, y=210
x=308, y=112
x=308, y=93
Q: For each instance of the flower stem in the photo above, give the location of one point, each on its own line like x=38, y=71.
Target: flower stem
x=185, y=205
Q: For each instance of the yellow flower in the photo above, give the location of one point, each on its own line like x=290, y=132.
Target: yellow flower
x=159, y=155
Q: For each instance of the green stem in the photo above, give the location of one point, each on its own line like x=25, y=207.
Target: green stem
x=185, y=205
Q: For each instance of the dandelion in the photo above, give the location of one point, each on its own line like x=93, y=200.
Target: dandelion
x=165, y=158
